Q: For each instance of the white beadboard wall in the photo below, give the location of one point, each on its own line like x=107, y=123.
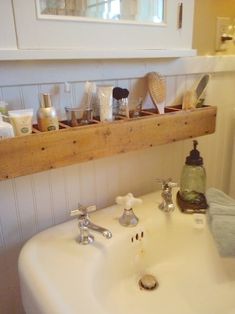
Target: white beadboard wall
x=32, y=203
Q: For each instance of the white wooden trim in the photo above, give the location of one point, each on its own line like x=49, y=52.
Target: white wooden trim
x=66, y=54
x=43, y=72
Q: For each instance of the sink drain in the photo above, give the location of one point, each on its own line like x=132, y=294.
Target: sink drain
x=148, y=282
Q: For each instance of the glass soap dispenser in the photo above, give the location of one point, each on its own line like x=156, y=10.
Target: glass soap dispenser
x=191, y=196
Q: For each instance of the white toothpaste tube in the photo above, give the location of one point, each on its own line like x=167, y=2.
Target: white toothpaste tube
x=105, y=93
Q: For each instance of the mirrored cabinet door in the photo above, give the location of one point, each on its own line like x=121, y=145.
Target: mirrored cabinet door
x=142, y=11
x=105, y=28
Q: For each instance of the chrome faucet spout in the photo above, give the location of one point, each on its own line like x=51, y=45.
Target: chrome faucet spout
x=85, y=225
x=105, y=232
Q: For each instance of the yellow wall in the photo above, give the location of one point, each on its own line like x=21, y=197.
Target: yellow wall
x=205, y=15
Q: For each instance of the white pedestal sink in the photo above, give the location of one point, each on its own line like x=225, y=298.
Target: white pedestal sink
x=59, y=276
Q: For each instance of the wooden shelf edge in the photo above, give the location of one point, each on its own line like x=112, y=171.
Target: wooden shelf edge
x=38, y=152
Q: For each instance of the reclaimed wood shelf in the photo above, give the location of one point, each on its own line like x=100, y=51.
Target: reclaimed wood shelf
x=42, y=151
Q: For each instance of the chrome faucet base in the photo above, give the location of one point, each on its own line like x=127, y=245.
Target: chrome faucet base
x=85, y=239
x=167, y=208
x=128, y=219
x=167, y=205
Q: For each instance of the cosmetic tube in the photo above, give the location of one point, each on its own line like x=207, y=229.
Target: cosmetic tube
x=21, y=120
x=105, y=93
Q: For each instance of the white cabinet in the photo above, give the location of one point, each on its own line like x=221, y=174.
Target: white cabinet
x=7, y=27
x=54, y=37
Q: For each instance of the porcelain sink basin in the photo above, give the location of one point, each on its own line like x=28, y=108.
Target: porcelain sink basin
x=59, y=276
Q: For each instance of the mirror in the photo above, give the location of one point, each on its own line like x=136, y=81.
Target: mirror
x=151, y=11
x=205, y=38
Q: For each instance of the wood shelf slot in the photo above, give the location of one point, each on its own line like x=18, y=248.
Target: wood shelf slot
x=172, y=109
x=35, y=130
x=95, y=121
x=147, y=112
x=62, y=125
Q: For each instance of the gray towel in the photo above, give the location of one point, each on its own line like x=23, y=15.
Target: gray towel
x=219, y=197
x=223, y=230
x=221, y=219
x=219, y=202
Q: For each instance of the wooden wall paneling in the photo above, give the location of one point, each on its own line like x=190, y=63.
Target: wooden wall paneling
x=78, y=92
x=138, y=89
x=71, y=181
x=1, y=94
x=13, y=97
x=58, y=195
x=123, y=173
x=101, y=182
x=9, y=219
x=149, y=169
x=131, y=173
x=111, y=168
x=170, y=90
x=56, y=100
x=42, y=192
x=124, y=83
x=88, y=184
x=191, y=80
x=65, y=99
x=180, y=89
x=25, y=207
x=30, y=96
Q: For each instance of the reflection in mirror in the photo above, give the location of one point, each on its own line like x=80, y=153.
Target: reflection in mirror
x=151, y=11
